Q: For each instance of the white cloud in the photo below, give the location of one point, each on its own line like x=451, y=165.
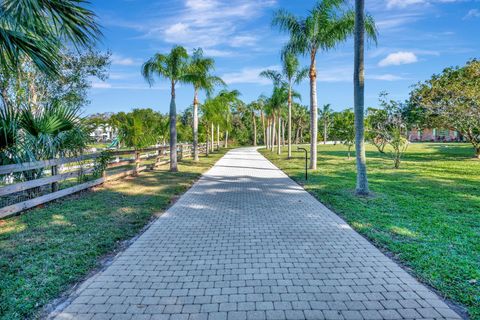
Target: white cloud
x=101, y=85
x=248, y=75
x=473, y=13
x=127, y=86
x=201, y=4
x=243, y=41
x=398, y=58
x=385, y=77
x=397, y=21
x=403, y=3
x=218, y=53
x=209, y=23
x=122, y=61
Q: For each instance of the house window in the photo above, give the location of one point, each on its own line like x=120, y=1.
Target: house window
x=443, y=133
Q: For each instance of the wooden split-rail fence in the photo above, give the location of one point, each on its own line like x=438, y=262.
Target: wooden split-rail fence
x=121, y=163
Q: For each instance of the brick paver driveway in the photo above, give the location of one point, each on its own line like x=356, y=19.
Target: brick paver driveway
x=246, y=242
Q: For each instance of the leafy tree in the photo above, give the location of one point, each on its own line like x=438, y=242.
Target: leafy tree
x=452, y=99
x=199, y=75
x=394, y=128
x=140, y=128
x=328, y=24
x=344, y=128
x=172, y=67
x=375, y=120
x=37, y=29
x=69, y=87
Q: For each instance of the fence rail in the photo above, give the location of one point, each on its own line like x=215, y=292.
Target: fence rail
x=67, y=169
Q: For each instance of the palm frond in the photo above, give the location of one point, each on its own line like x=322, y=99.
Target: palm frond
x=273, y=75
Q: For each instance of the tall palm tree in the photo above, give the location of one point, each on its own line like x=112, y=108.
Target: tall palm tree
x=325, y=118
x=198, y=74
x=172, y=67
x=327, y=25
x=363, y=23
x=291, y=74
x=38, y=28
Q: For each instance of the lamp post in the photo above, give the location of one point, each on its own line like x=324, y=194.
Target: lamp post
x=306, y=161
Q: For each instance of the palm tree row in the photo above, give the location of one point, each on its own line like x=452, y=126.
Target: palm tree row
x=291, y=74
x=178, y=67
x=329, y=23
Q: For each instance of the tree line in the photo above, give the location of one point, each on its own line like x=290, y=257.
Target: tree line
x=48, y=59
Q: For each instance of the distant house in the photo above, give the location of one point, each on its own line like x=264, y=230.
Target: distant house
x=103, y=133
x=434, y=135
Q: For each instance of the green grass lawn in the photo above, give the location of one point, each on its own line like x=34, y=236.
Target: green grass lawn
x=427, y=213
x=46, y=250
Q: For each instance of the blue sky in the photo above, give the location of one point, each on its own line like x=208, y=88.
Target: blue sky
x=417, y=38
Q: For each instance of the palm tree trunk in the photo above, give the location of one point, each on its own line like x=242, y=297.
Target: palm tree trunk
x=265, y=136
x=267, y=133
x=290, y=122
x=358, y=92
x=264, y=128
x=195, y=125
x=226, y=138
x=173, y=132
x=279, y=139
x=213, y=139
x=218, y=136
x=325, y=124
x=283, y=134
x=207, y=146
x=273, y=133
x=254, y=131
x=313, y=112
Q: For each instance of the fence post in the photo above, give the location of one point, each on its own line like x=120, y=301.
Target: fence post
x=180, y=157
x=137, y=161
x=54, y=171
x=159, y=154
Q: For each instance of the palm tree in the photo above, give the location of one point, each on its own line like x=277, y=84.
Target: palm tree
x=362, y=23
x=300, y=120
x=325, y=118
x=327, y=25
x=37, y=29
x=172, y=67
x=280, y=97
x=291, y=74
x=32, y=134
x=198, y=74
x=226, y=100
